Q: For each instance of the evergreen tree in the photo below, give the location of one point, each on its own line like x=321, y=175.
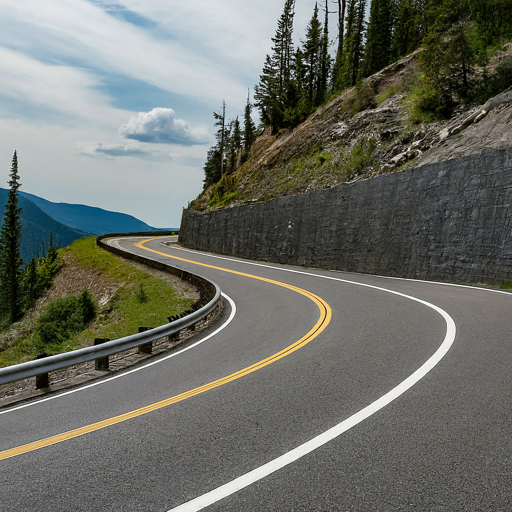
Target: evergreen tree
x=406, y=36
x=311, y=52
x=283, y=46
x=10, y=260
x=337, y=76
x=299, y=108
x=265, y=94
x=325, y=61
x=449, y=59
x=272, y=92
x=52, y=250
x=379, y=35
x=354, y=42
x=30, y=284
x=249, y=133
x=234, y=144
x=212, y=167
x=493, y=19
x=221, y=135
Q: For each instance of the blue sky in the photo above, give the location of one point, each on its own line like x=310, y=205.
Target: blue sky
x=110, y=103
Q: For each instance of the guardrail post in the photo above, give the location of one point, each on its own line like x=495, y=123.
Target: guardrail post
x=147, y=348
x=172, y=318
x=42, y=380
x=102, y=362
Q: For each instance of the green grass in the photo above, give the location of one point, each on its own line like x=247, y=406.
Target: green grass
x=361, y=156
x=387, y=93
x=506, y=284
x=123, y=314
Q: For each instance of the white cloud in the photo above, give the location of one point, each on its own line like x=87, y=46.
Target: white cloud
x=80, y=30
x=59, y=89
x=159, y=126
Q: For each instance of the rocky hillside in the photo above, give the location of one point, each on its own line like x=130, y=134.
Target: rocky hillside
x=361, y=133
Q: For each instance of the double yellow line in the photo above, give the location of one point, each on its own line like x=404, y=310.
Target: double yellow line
x=321, y=324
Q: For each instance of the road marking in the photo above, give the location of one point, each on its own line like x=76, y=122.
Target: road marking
x=466, y=286
x=321, y=324
x=267, y=469
x=138, y=369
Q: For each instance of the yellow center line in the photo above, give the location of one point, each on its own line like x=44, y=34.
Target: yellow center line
x=321, y=324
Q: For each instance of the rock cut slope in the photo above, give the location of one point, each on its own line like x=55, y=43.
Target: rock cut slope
x=360, y=134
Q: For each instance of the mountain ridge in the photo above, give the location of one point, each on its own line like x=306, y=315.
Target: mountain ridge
x=89, y=219
x=36, y=227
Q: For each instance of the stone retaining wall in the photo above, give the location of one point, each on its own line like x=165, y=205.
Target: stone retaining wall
x=448, y=221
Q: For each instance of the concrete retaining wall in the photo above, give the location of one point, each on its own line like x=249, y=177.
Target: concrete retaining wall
x=449, y=221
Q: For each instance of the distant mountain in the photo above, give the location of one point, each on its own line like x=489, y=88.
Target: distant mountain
x=36, y=227
x=88, y=218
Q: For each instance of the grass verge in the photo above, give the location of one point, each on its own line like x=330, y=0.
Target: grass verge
x=120, y=316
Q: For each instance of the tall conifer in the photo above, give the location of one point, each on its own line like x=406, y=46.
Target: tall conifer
x=325, y=61
x=234, y=144
x=337, y=76
x=311, y=52
x=249, y=133
x=272, y=92
x=221, y=135
x=379, y=35
x=10, y=260
x=354, y=42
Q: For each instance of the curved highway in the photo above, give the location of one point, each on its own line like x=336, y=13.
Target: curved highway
x=320, y=391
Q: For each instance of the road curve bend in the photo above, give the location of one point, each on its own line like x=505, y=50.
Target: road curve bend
x=326, y=391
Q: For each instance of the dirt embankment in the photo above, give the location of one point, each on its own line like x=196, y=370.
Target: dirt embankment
x=361, y=134
x=71, y=280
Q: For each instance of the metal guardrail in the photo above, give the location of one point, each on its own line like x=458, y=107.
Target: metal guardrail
x=210, y=293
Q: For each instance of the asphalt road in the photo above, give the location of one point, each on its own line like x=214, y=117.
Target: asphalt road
x=442, y=444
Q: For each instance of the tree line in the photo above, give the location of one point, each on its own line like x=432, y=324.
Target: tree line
x=457, y=36
x=21, y=285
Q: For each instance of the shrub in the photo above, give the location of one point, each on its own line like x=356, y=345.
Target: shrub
x=424, y=102
x=362, y=155
x=224, y=191
x=506, y=284
x=142, y=296
x=393, y=89
x=64, y=317
x=362, y=99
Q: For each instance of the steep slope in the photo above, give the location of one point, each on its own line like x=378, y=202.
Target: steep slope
x=88, y=218
x=36, y=228
x=361, y=133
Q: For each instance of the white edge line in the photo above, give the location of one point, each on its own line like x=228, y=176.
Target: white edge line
x=300, y=451
x=467, y=287
x=103, y=381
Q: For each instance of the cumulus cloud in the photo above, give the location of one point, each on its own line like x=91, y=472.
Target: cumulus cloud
x=159, y=126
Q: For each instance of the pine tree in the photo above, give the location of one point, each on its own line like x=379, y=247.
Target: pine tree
x=325, y=61
x=266, y=96
x=311, y=52
x=30, y=284
x=379, y=36
x=52, y=250
x=283, y=46
x=234, y=144
x=337, y=76
x=221, y=135
x=249, y=133
x=212, y=167
x=272, y=92
x=406, y=35
x=493, y=18
x=10, y=260
x=354, y=42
